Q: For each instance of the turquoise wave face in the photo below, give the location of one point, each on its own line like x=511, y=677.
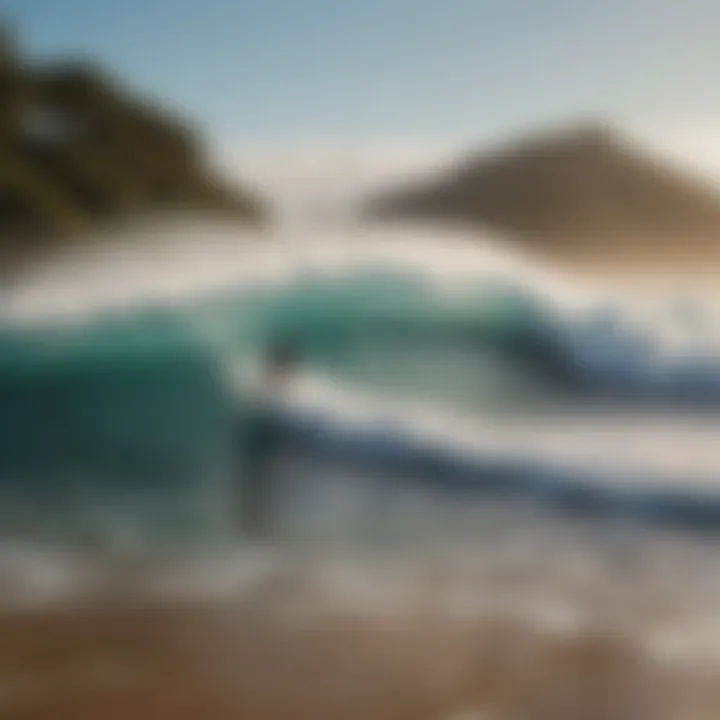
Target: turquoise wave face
x=108, y=420
x=134, y=415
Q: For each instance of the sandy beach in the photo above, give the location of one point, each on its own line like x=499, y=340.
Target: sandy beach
x=644, y=264
x=193, y=661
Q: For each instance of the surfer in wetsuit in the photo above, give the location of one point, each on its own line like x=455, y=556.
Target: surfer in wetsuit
x=263, y=443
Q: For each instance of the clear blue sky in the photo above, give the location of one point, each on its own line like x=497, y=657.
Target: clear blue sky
x=362, y=69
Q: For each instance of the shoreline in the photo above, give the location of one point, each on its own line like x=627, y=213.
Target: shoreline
x=511, y=646
x=192, y=662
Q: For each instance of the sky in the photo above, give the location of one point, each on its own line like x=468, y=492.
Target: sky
x=404, y=80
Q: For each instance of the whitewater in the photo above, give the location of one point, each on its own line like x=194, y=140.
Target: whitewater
x=125, y=366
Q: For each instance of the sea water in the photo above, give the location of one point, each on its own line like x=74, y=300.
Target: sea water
x=123, y=395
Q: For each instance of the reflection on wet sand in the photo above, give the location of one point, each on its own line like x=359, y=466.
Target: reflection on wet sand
x=284, y=648
x=197, y=663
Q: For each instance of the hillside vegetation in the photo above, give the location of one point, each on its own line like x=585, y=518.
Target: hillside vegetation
x=78, y=151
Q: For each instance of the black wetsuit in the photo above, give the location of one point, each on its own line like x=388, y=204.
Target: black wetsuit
x=259, y=471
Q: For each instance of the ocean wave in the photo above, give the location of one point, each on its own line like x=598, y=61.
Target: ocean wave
x=122, y=374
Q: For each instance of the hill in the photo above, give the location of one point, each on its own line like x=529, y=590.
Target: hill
x=578, y=187
x=78, y=150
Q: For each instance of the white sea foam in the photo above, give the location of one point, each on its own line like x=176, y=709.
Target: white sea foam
x=176, y=262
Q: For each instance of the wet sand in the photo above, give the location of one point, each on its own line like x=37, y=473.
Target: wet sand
x=175, y=662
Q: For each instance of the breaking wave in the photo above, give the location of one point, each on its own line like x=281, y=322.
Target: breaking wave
x=126, y=382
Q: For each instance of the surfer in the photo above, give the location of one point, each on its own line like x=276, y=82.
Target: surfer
x=263, y=442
